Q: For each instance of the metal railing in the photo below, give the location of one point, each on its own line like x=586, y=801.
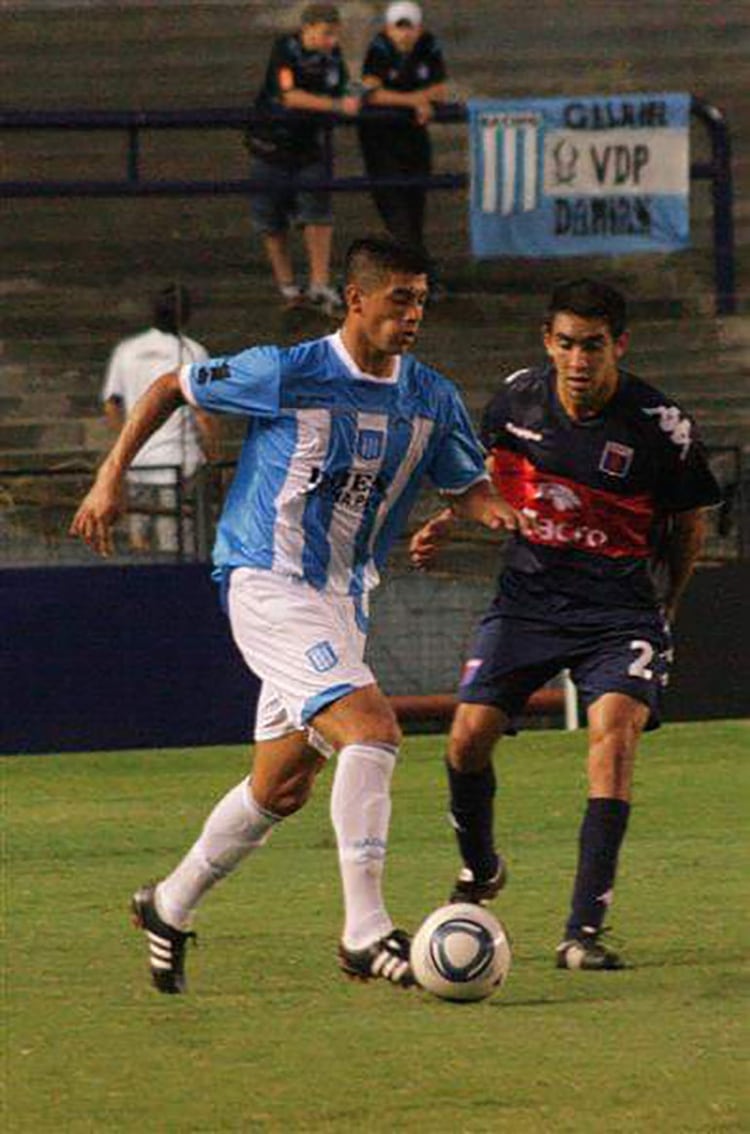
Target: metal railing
x=37, y=505
x=717, y=170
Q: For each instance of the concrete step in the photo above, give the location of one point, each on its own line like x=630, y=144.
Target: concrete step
x=57, y=459
x=75, y=273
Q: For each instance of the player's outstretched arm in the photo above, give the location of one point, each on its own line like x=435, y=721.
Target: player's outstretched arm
x=484, y=505
x=103, y=503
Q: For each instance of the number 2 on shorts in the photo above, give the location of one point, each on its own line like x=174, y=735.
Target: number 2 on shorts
x=639, y=667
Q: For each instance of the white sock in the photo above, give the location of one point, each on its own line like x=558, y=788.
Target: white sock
x=235, y=827
x=360, y=811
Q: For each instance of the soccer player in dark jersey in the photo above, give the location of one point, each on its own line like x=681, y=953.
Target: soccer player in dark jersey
x=403, y=69
x=306, y=71
x=615, y=480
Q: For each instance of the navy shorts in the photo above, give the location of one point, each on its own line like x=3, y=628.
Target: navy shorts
x=629, y=651
x=280, y=205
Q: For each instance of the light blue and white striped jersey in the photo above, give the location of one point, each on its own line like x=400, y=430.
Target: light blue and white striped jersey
x=333, y=458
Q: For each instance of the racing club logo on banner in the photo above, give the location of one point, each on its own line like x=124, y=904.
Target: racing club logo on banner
x=579, y=176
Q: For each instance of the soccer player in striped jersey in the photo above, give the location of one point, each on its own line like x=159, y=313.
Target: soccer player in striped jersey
x=616, y=482
x=341, y=433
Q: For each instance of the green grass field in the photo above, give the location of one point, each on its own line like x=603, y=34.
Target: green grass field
x=271, y=1038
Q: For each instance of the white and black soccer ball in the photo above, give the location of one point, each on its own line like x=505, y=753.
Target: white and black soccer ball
x=460, y=952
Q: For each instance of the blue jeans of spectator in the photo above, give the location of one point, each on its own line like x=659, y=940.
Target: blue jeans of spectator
x=286, y=201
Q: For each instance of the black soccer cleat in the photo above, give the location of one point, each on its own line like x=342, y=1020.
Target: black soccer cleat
x=586, y=951
x=166, y=945
x=466, y=889
x=387, y=959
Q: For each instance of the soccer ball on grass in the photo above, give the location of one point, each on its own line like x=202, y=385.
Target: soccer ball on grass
x=460, y=952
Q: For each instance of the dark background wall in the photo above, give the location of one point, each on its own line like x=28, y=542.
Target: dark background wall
x=127, y=657
x=118, y=657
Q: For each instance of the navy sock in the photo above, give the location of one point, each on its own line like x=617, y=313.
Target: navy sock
x=472, y=810
x=599, y=841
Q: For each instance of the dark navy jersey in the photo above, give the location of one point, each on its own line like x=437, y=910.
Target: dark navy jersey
x=421, y=67
x=600, y=491
x=318, y=73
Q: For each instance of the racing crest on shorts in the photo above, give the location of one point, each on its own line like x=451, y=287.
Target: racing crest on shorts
x=322, y=657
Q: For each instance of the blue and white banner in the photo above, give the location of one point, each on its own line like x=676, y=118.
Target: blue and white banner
x=579, y=176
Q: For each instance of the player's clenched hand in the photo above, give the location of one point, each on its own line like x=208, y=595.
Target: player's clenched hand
x=426, y=542
x=94, y=519
x=499, y=515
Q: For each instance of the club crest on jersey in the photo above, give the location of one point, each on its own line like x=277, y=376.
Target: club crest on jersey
x=322, y=657
x=616, y=459
x=562, y=498
x=370, y=444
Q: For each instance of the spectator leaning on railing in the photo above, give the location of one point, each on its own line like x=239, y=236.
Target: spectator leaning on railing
x=306, y=71
x=403, y=68
x=181, y=444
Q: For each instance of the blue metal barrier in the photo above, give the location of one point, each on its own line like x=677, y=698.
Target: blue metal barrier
x=718, y=170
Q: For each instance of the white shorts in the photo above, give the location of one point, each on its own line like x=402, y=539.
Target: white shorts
x=306, y=646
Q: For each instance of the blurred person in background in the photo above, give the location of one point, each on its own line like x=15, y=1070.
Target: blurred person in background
x=173, y=454
x=403, y=69
x=306, y=71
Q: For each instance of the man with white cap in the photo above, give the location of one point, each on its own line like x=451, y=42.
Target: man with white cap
x=403, y=69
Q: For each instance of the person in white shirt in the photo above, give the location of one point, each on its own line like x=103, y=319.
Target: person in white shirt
x=173, y=454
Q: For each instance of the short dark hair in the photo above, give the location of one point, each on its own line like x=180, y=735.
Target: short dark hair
x=590, y=299
x=172, y=308
x=371, y=259
x=320, y=14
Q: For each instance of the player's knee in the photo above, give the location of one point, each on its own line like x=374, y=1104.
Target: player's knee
x=470, y=750
x=387, y=733
x=617, y=743
x=474, y=733
x=378, y=728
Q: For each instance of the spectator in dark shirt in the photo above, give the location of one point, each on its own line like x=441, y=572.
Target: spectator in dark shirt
x=404, y=69
x=306, y=71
